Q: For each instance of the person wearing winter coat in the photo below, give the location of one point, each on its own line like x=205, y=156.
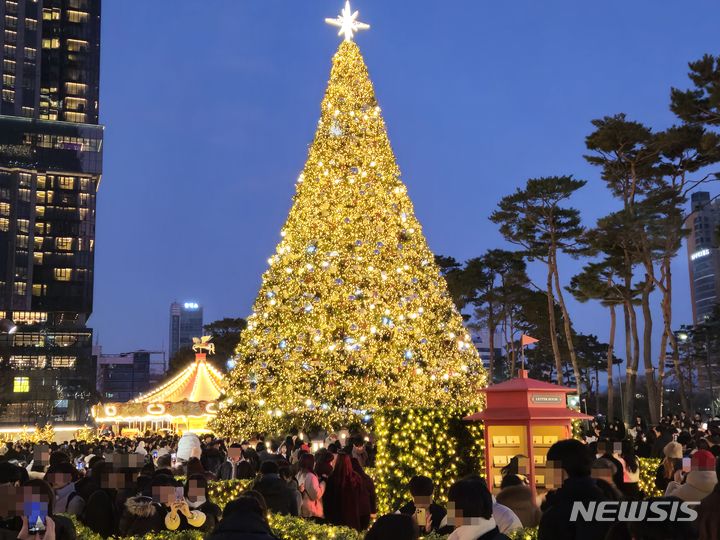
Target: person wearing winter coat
x=342, y=499
x=243, y=519
x=708, y=515
x=421, y=490
x=62, y=478
x=518, y=497
x=569, y=462
x=237, y=465
x=310, y=488
x=141, y=516
x=699, y=482
x=470, y=511
x=671, y=463
x=198, y=498
x=368, y=501
x=278, y=494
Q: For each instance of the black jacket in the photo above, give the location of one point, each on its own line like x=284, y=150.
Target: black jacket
x=279, y=495
x=555, y=522
x=242, y=526
x=141, y=516
x=243, y=471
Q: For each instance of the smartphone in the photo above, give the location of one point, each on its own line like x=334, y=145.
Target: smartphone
x=686, y=465
x=704, y=426
x=155, y=454
x=179, y=494
x=421, y=517
x=81, y=465
x=173, y=457
x=37, y=517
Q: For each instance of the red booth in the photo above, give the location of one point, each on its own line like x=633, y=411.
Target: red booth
x=524, y=416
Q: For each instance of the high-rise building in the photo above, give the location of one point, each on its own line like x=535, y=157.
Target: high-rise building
x=703, y=254
x=122, y=377
x=50, y=169
x=186, y=322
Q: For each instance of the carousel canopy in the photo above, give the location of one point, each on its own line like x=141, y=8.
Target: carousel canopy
x=198, y=382
x=189, y=398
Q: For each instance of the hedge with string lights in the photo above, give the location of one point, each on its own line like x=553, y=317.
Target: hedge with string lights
x=429, y=442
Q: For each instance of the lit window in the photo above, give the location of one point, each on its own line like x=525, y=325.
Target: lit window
x=63, y=361
x=30, y=24
x=21, y=384
x=62, y=274
x=20, y=288
x=51, y=43
x=4, y=209
x=66, y=182
x=77, y=16
x=63, y=243
x=77, y=45
x=75, y=116
x=4, y=224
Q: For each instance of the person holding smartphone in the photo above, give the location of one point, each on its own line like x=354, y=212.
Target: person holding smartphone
x=180, y=507
x=40, y=520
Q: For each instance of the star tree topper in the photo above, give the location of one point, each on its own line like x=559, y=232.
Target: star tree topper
x=347, y=22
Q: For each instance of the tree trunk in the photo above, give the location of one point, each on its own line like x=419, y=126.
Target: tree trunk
x=512, y=344
x=652, y=397
x=491, y=343
x=552, y=324
x=628, y=363
x=631, y=365
x=610, y=356
x=667, y=320
x=567, y=326
x=661, y=372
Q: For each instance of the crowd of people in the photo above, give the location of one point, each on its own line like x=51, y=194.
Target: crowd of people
x=119, y=486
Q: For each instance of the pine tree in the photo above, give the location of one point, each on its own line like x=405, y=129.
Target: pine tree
x=352, y=314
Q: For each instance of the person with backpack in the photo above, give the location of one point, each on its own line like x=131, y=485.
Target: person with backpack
x=62, y=477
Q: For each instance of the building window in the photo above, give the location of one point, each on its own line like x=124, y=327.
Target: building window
x=66, y=182
x=4, y=224
x=63, y=243
x=8, y=95
x=4, y=209
x=63, y=274
x=77, y=16
x=20, y=288
x=51, y=43
x=77, y=45
x=28, y=362
x=8, y=80
x=63, y=361
x=75, y=116
x=21, y=384
x=30, y=24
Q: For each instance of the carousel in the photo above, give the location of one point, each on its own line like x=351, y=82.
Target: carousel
x=185, y=403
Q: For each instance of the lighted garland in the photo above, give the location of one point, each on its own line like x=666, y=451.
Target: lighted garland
x=429, y=442
x=646, y=483
x=352, y=315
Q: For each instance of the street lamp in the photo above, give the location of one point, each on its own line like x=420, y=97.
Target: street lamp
x=7, y=326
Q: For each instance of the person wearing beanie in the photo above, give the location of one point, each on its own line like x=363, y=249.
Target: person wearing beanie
x=698, y=483
x=671, y=463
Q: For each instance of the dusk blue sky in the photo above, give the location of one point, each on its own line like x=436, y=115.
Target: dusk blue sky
x=209, y=108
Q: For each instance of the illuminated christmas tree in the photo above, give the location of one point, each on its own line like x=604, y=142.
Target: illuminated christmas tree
x=352, y=314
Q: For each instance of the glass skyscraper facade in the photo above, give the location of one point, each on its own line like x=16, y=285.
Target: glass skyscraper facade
x=186, y=322
x=50, y=169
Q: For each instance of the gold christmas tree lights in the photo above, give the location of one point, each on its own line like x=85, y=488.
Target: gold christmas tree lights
x=352, y=314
